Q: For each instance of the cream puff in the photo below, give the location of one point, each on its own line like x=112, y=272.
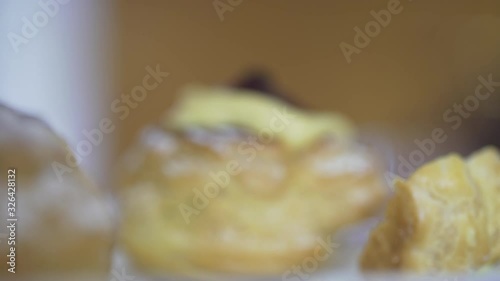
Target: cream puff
x=235, y=181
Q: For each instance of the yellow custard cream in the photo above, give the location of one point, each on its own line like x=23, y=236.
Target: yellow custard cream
x=216, y=106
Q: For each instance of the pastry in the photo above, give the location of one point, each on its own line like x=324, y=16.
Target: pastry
x=234, y=181
x=444, y=218
x=484, y=167
x=63, y=225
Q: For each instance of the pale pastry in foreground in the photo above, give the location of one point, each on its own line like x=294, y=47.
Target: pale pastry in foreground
x=63, y=226
x=444, y=218
x=233, y=181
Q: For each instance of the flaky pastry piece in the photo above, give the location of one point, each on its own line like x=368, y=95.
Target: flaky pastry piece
x=444, y=218
x=63, y=227
x=218, y=196
x=484, y=167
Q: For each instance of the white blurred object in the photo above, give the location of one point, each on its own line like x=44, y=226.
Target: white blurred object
x=62, y=69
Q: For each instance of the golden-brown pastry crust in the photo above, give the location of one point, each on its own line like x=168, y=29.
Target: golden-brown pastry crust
x=484, y=167
x=440, y=219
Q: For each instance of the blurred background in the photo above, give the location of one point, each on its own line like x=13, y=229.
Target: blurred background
x=75, y=68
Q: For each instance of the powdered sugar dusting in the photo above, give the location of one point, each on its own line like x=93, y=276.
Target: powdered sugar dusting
x=159, y=140
x=346, y=163
x=217, y=140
